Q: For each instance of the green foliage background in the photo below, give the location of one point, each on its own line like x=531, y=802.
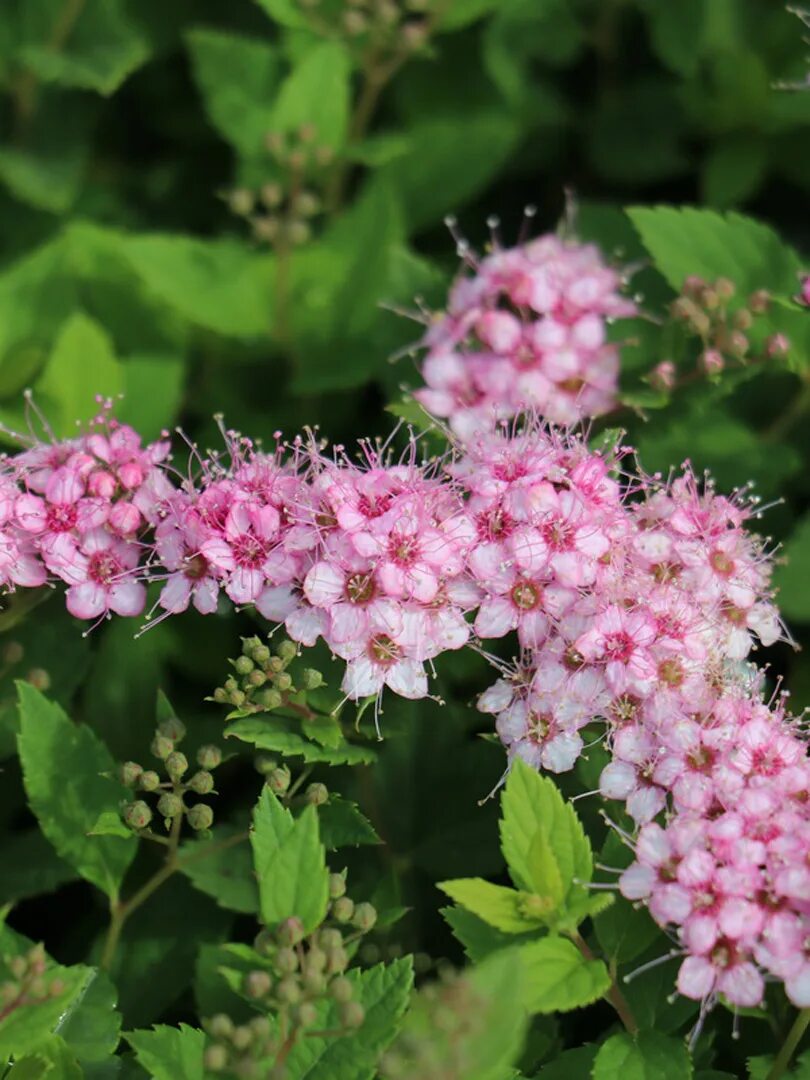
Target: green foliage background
x=126, y=123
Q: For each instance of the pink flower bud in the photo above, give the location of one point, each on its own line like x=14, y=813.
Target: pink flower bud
x=662, y=376
x=712, y=361
x=777, y=345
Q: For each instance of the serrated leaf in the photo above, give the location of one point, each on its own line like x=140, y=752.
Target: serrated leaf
x=324, y=730
x=109, y=823
x=316, y=93
x=63, y=766
x=480, y=939
x=343, y=825
x=647, y=1056
x=226, y=874
x=52, y=1060
x=544, y=868
x=558, y=978
x=281, y=736
x=290, y=863
x=23, y=1030
x=169, y=1053
x=91, y=1024
x=505, y=909
x=238, y=78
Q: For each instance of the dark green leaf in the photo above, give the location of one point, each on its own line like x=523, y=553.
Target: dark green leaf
x=225, y=874
x=647, y=1056
x=169, y=1053
x=343, y=825
x=281, y=736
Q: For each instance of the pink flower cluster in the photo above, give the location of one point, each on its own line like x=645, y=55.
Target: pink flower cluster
x=526, y=332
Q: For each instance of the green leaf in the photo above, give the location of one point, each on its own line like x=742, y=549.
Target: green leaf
x=81, y=366
x=324, y=730
x=734, y=169
x=460, y=13
x=317, y=93
x=280, y=735
x=226, y=875
x=648, y=1056
x=30, y=866
x=287, y=12
x=103, y=47
x=570, y=1064
x=63, y=765
x=153, y=391
x=220, y=285
x=109, y=823
x=238, y=78
x=52, y=1058
x=169, y=1053
x=505, y=909
x=792, y=574
x=290, y=863
x=558, y=978
x=343, y=825
x=477, y=936
x=688, y=241
x=91, y=1024
x=532, y=804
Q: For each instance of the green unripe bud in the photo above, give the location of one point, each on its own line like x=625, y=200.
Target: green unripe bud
x=231, y=684
x=283, y=681
x=759, y=301
x=743, y=319
x=39, y=678
x=337, y=960
x=200, y=817
x=286, y=650
x=216, y=1058
x=208, y=757
x=18, y=966
x=237, y=698
x=315, y=961
x=149, y=781
x=352, y=1014
x=257, y=984
x=343, y=909
x=261, y=654
x=256, y=678
x=341, y=989
x=265, y=765
x=130, y=772
x=310, y=679
x=365, y=916
x=13, y=653
x=137, y=815
x=286, y=960
x=170, y=805
x=220, y=695
x=176, y=765
x=243, y=665
x=161, y=747
x=725, y=288
x=337, y=886
x=202, y=782
x=306, y=1014
x=330, y=938
x=289, y=990
x=269, y=698
x=738, y=343
x=264, y=943
x=172, y=728
x=291, y=931
x=242, y=1037
x=314, y=982
x=316, y=794
x=240, y=201
x=261, y=1027
x=275, y=664
x=279, y=780
x=220, y=1026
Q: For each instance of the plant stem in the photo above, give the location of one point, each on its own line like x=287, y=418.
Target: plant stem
x=794, y=1037
x=614, y=995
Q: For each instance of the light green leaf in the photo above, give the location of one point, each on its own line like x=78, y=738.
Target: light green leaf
x=63, y=765
x=220, y=285
x=317, y=93
x=81, y=366
x=324, y=730
x=287, y=12
x=343, y=825
x=290, y=863
x=109, y=823
x=169, y=1053
x=480, y=939
x=226, y=875
x=280, y=736
x=91, y=1024
x=153, y=391
x=505, y=909
x=52, y=1059
x=558, y=978
x=648, y=1056
x=238, y=78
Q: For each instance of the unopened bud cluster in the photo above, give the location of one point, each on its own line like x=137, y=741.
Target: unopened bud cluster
x=28, y=982
x=707, y=310
x=261, y=680
x=181, y=783
x=240, y=1050
x=280, y=212
x=397, y=27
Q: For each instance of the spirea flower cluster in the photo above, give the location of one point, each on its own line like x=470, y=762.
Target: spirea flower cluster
x=526, y=331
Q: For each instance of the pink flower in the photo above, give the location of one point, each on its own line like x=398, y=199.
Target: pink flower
x=100, y=575
x=242, y=551
x=621, y=640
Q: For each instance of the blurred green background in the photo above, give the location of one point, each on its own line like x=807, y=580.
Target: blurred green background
x=212, y=208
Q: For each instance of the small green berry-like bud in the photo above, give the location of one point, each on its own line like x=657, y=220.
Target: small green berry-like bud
x=310, y=679
x=365, y=916
x=208, y=757
x=337, y=960
x=759, y=301
x=289, y=990
x=265, y=764
x=343, y=909
x=240, y=202
x=738, y=343
x=161, y=747
x=330, y=938
x=306, y=1014
x=314, y=982
x=242, y=1037
x=279, y=780
x=341, y=989
x=173, y=728
x=337, y=886
x=137, y=815
x=243, y=665
x=268, y=698
x=317, y=794
x=271, y=195
x=261, y=654
x=352, y=1014
x=202, y=782
x=149, y=781
x=130, y=772
x=725, y=288
x=220, y=1026
x=39, y=678
x=286, y=650
x=287, y=960
x=170, y=805
x=200, y=817
x=237, y=698
x=220, y=695
x=176, y=765
x=315, y=961
x=256, y=678
x=291, y=931
x=283, y=681
x=18, y=966
x=743, y=319
x=257, y=984
x=216, y=1058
